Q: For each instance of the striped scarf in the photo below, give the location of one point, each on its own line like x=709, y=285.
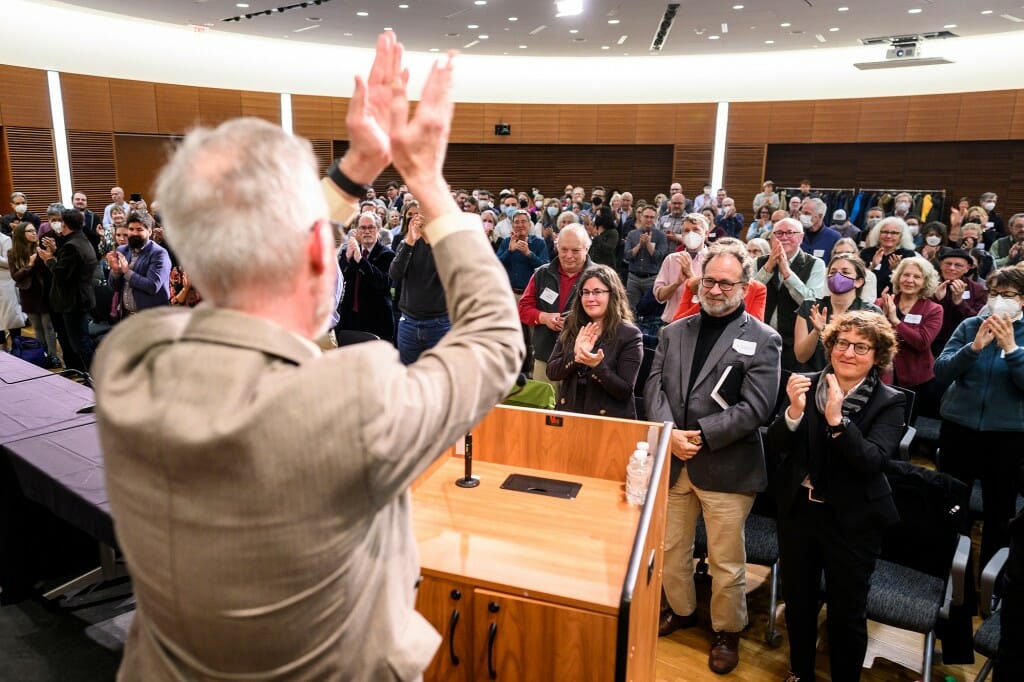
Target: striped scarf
x=853, y=402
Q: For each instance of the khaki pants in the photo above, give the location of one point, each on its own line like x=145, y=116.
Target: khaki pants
x=724, y=518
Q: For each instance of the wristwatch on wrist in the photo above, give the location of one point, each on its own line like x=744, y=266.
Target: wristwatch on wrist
x=347, y=184
x=838, y=428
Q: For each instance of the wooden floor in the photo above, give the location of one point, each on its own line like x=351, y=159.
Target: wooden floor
x=683, y=655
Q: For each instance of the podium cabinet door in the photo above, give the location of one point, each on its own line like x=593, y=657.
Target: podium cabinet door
x=516, y=638
x=447, y=606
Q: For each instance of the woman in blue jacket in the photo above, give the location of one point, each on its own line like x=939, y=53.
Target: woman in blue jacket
x=983, y=409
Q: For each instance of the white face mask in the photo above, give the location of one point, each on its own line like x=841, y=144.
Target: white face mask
x=20, y=208
x=913, y=229
x=693, y=240
x=988, y=205
x=902, y=206
x=1000, y=305
x=933, y=240
x=807, y=221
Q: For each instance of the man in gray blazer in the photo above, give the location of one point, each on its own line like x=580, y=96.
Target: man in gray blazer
x=259, y=487
x=715, y=376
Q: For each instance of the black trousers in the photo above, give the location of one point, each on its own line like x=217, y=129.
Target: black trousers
x=994, y=458
x=71, y=359
x=812, y=544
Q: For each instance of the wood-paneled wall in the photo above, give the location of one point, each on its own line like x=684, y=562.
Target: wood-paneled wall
x=961, y=168
x=110, y=105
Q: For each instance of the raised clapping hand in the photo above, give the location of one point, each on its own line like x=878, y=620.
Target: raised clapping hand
x=1001, y=327
x=796, y=391
x=889, y=307
x=819, y=318
x=685, y=266
x=418, y=145
x=415, y=229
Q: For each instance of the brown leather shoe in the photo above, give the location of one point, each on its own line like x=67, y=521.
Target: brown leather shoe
x=725, y=652
x=670, y=621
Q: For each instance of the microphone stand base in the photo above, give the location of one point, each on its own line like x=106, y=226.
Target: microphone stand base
x=470, y=482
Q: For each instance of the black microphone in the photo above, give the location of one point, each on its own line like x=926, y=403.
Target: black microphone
x=467, y=481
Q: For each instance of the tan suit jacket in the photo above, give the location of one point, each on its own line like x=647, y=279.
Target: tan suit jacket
x=259, y=487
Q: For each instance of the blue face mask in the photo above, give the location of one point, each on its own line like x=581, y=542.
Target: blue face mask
x=552, y=211
x=511, y=211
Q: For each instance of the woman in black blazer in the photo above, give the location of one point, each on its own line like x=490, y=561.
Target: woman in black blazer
x=839, y=427
x=598, y=354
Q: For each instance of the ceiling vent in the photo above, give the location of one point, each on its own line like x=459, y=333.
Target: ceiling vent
x=664, y=27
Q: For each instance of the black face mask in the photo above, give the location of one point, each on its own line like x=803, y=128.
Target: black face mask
x=136, y=242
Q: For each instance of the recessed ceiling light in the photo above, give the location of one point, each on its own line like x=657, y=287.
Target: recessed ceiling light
x=834, y=29
x=405, y=7
x=916, y=10
x=574, y=31
x=479, y=2
x=986, y=11
x=347, y=35
x=388, y=28
x=538, y=29
x=472, y=26
x=785, y=24
x=362, y=14
x=522, y=47
x=769, y=42
x=821, y=38
x=307, y=28
x=605, y=47
x=313, y=19
x=513, y=18
x=243, y=5
x=613, y=21
x=737, y=6
x=843, y=9
x=470, y=44
x=621, y=40
x=949, y=26
x=483, y=37
x=714, y=37
x=725, y=28
x=434, y=49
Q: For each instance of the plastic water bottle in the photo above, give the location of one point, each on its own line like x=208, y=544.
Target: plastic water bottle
x=638, y=474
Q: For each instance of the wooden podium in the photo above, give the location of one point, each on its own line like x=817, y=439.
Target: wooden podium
x=529, y=587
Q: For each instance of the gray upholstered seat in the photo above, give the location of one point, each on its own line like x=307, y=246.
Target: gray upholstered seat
x=905, y=598
x=986, y=639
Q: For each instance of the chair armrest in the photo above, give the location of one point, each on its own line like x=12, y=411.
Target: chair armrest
x=958, y=570
x=990, y=578
x=908, y=438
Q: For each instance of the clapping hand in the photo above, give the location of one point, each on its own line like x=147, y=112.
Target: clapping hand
x=584, y=345
x=1002, y=329
x=942, y=290
x=956, y=287
x=894, y=260
x=819, y=318
x=796, y=391
x=833, y=401
x=889, y=306
x=984, y=336
x=685, y=266
x=415, y=231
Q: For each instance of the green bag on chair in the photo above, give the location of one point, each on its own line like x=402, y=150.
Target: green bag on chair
x=533, y=394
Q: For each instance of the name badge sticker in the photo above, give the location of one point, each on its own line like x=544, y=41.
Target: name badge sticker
x=819, y=253
x=549, y=295
x=912, y=319
x=744, y=347
x=966, y=295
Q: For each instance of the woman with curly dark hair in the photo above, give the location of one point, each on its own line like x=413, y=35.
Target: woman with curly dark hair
x=838, y=429
x=597, y=356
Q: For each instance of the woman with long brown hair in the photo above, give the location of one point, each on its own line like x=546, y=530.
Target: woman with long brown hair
x=598, y=354
x=32, y=279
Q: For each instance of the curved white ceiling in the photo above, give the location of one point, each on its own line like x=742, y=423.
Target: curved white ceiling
x=149, y=50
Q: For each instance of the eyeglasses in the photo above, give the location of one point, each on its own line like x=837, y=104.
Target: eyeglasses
x=725, y=286
x=587, y=293
x=786, y=233
x=890, y=233
x=858, y=348
x=1004, y=294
